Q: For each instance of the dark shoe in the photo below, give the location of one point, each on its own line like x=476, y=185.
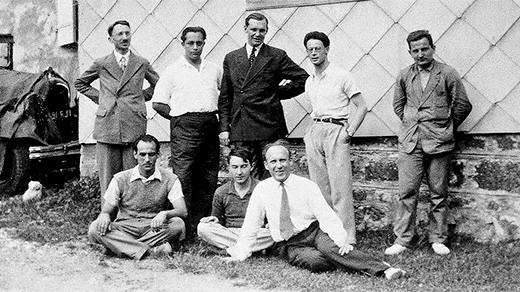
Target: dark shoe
x=161, y=250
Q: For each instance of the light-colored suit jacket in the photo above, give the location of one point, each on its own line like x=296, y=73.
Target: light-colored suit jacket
x=430, y=116
x=249, y=102
x=121, y=113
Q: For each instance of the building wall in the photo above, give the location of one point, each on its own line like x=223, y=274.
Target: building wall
x=477, y=37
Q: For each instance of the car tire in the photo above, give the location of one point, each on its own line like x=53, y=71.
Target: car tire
x=15, y=174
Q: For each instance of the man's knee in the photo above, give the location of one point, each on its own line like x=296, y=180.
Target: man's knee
x=310, y=259
x=176, y=227
x=93, y=234
x=203, y=229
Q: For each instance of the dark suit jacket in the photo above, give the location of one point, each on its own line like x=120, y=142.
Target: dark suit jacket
x=249, y=102
x=430, y=117
x=121, y=114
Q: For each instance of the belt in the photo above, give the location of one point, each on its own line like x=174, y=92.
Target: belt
x=201, y=113
x=340, y=122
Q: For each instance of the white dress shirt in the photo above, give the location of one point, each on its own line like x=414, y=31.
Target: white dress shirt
x=119, y=56
x=186, y=89
x=113, y=193
x=306, y=204
x=331, y=92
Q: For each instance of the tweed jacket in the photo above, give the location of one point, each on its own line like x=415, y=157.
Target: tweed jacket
x=121, y=112
x=249, y=102
x=430, y=117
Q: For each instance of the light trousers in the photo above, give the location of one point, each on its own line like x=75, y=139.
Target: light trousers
x=224, y=237
x=330, y=167
x=134, y=237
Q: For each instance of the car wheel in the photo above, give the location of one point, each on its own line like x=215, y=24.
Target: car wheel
x=15, y=173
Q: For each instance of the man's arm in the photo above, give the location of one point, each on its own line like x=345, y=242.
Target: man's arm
x=83, y=82
x=217, y=210
x=291, y=71
x=162, y=109
x=162, y=93
x=399, y=97
x=225, y=102
x=359, y=115
x=461, y=107
x=152, y=77
x=112, y=195
x=179, y=207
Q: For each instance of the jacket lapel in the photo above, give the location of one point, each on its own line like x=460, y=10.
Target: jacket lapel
x=261, y=60
x=132, y=66
x=242, y=62
x=112, y=66
x=432, y=83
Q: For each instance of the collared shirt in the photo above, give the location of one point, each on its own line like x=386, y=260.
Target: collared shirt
x=331, y=92
x=306, y=204
x=113, y=193
x=425, y=73
x=249, y=48
x=229, y=207
x=119, y=56
x=186, y=89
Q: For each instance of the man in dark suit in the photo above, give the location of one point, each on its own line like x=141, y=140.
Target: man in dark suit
x=121, y=113
x=256, y=78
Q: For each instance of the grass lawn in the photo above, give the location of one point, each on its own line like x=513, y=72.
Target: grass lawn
x=66, y=211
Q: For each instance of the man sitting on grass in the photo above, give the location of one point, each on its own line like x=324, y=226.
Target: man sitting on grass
x=144, y=224
x=222, y=228
x=306, y=231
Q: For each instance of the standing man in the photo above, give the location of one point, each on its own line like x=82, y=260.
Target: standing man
x=121, y=113
x=222, y=228
x=140, y=196
x=256, y=77
x=431, y=102
x=331, y=90
x=187, y=95
x=306, y=231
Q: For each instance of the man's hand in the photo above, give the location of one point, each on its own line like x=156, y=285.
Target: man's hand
x=224, y=138
x=158, y=221
x=209, y=219
x=344, y=136
x=346, y=248
x=103, y=223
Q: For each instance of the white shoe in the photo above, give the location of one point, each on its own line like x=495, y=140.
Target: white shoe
x=394, y=273
x=440, y=248
x=395, y=249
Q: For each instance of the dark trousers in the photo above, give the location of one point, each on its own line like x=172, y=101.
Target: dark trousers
x=258, y=170
x=195, y=160
x=314, y=250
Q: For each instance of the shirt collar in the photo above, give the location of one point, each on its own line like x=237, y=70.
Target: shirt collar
x=427, y=69
x=233, y=191
x=136, y=175
x=249, y=48
x=118, y=56
x=185, y=62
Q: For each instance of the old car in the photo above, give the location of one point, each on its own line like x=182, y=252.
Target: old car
x=38, y=126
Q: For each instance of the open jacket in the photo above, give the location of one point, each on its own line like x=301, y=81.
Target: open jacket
x=430, y=117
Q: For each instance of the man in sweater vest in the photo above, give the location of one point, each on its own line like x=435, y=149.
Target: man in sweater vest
x=145, y=223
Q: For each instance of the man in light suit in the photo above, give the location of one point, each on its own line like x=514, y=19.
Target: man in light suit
x=256, y=78
x=121, y=113
x=431, y=102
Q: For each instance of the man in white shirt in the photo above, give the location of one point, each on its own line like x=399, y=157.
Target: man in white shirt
x=306, y=231
x=140, y=196
x=331, y=90
x=187, y=95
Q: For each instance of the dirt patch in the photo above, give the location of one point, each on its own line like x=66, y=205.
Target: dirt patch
x=74, y=266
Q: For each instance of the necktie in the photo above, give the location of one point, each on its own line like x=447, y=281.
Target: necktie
x=252, y=57
x=122, y=63
x=286, y=226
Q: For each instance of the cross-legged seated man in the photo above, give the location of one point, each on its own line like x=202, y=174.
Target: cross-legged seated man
x=222, y=228
x=144, y=224
x=306, y=231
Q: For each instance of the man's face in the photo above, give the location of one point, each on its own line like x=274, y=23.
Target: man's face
x=146, y=156
x=239, y=169
x=256, y=31
x=193, y=46
x=316, y=52
x=277, y=162
x=422, y=52
x=121, y=36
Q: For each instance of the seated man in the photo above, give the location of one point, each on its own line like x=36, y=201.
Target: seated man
x=306, y=231
x=222, y=228
x=143, y=225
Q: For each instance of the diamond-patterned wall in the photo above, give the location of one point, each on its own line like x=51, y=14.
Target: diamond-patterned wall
x=478, y=37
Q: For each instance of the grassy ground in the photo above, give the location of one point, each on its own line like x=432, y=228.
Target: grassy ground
x=66, y=210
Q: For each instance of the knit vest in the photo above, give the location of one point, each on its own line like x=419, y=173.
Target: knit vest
x=140, y=200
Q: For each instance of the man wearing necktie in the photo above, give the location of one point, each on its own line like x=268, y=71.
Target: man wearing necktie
x=306, y=231
x=121, y=112
x=256, y=78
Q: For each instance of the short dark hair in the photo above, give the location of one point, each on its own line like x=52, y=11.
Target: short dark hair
x=257, y=16
x=279, y=142
x=418, y=35
x=316, y=35
x=193, y=29
x=243, y=153
x=121, y=22
x=148, y=139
